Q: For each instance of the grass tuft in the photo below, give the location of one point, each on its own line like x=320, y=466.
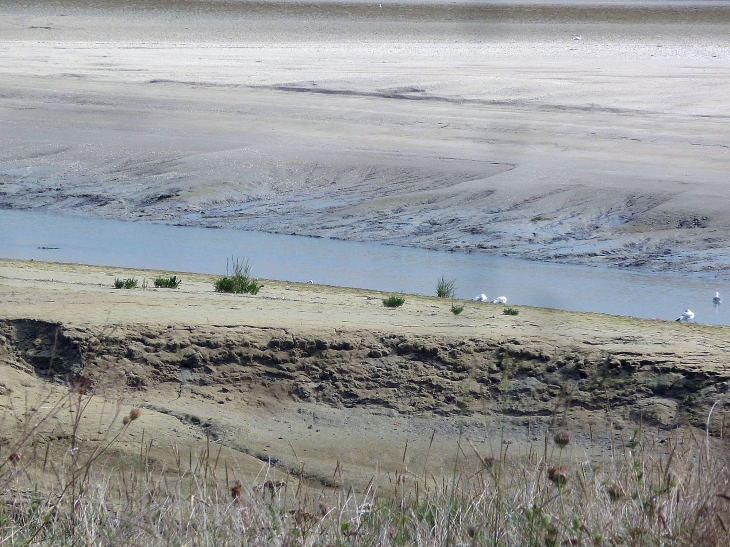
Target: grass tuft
x=394, y=301
x=446, y=288
x=510, y=311
x=125, y=283
x=456, y=309
x=562, y=438
x=167, y=282
x=240, y=282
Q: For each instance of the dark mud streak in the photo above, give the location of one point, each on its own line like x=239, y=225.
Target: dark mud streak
x=520, y=104
x=420, y=96
x=487, y=13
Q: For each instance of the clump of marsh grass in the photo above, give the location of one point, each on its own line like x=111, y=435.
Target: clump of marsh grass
x=394, y=301
x=240, y=280
x=510, y=311
x=446, y=288
x=456, y=309
x=167, y=282
x=129, y=283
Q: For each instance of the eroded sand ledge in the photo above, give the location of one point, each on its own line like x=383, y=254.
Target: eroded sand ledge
x=306, y=373
x=475, y=129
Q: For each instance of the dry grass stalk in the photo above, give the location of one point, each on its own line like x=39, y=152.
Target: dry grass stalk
x=647, y=495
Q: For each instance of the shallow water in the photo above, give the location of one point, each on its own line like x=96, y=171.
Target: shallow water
x=45, y=236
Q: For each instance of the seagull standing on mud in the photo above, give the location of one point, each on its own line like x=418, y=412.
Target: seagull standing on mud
x=687, y=315
x=716, y=299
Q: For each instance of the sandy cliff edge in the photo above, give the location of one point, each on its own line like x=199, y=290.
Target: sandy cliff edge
x=315, y=374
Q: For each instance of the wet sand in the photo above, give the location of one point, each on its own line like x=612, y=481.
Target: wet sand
x=462, y=127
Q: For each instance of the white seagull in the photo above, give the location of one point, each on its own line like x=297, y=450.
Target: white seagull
x=578, y=37
x=500, y=300
x=480, y=298
x=717, y=299
x=686, y=316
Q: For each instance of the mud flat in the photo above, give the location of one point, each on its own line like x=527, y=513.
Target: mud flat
x=472, y=128
x=325, y=377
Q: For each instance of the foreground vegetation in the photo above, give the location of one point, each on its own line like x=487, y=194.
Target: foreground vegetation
x=446, y=288
x=167, y=282
x=648, y=494
x=394, y=301
x=240, y=281
x=456, y=309
x=125, y=283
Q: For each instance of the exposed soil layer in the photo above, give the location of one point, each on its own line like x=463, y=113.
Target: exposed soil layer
x=409, y=374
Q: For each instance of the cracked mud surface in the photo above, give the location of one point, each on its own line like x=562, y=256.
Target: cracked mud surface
x=488, y=130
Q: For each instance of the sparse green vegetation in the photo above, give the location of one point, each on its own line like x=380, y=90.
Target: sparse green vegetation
x=225, y=284
x=394, y=301
x=167, y=282
x=446, y=288
x=456, y=309
x=125, y=283
x=240, y=282
x=510, y=311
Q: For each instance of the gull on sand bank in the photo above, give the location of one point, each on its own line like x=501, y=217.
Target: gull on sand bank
x=480, y=298
x=578, y=37
x=716, y=299
x=686, y=316
x=500, y=300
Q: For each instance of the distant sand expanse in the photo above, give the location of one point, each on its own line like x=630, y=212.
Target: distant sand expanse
x=484, y=128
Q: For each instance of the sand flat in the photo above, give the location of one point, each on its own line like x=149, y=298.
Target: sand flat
x=479, y=128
